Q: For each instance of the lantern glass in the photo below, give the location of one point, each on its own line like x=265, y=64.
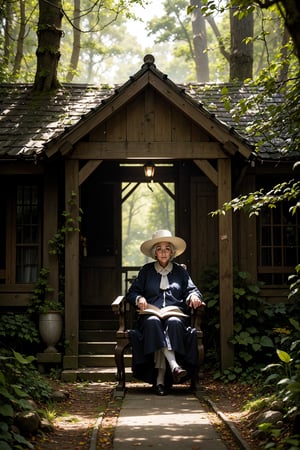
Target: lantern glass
x=149, y=170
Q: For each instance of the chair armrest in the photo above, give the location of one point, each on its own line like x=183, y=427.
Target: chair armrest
x=118, y=307
x=117, y=303
x=196, y=317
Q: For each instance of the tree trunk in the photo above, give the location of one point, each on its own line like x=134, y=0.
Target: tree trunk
x=7, y=33
x=48, y=51
x=21, y=38
x=200, y=42
x=284, y=72
x=241, y=54
x=211, y=21
x=76, y=42
x=292, y=20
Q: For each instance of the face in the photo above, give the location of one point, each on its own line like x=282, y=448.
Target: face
x=163, y=253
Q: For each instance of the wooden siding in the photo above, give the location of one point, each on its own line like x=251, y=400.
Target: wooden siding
x=204, y=228
x=144, y=120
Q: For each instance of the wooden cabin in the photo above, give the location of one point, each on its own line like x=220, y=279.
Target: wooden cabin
x=82, y=142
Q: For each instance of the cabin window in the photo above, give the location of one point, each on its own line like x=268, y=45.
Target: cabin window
x=279, y=244
x=27, y=233
x=20, y=227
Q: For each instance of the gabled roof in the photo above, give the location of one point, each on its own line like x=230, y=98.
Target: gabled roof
x=32, y=123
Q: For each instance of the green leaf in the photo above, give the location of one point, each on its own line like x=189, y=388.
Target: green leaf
x=256, y=347
x=3, y=427
x=5, y=446
x=246, y=356
x=295, y=324
x=21, y=359
x=18, y=391
x=294, y=387
x=2, y=378
x=272, y=377
x=266, y=342
x=7, y=411
x=22, y=440
x=283, y=356
x=5, y=393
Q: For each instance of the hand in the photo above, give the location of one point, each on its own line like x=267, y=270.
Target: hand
x=142, y=303
x=195, y=302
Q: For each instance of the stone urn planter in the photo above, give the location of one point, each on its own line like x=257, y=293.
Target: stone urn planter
x=51, y=327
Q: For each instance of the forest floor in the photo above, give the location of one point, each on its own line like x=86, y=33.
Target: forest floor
x=76, y=417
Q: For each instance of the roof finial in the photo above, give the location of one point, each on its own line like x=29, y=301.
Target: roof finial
x=148, y=60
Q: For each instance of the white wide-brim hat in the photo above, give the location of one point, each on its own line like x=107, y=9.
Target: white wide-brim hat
x=163, y=236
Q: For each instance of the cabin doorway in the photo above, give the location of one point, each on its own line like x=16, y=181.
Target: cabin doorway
x=146, y=207
x=120, y=209
x=100, y=264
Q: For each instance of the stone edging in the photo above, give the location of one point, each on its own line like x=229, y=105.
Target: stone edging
x=234, y=431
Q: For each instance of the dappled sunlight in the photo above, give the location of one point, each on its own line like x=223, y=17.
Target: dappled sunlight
x=178, y=420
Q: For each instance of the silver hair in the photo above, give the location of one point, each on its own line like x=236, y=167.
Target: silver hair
x=153, y=250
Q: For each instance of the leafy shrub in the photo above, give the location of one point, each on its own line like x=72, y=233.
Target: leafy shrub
x=254, y=338
x=18, y=379
x=19, y=332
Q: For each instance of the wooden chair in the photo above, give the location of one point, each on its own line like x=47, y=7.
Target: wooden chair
x=127, y=316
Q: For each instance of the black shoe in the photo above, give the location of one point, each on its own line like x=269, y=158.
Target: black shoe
x=178, y=373
x=160, y=389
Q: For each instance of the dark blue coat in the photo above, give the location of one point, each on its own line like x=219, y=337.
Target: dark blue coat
x=147, y=285
x=150, y=334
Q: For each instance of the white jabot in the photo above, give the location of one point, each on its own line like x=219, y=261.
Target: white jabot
x=163, y=271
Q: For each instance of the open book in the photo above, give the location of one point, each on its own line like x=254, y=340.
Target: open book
x=163, y=313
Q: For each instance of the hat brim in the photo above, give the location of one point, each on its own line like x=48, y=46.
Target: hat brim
x=178, y=243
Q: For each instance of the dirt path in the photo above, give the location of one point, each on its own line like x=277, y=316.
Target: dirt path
x=77, y=416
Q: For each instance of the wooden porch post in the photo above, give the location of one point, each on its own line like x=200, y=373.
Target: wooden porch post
x=50, y=225
x=225, y=264
x=71, y=271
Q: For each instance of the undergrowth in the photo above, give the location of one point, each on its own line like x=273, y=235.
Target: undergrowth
x=266, y=341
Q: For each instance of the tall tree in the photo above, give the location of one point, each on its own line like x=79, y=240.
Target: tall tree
x=21, y=38
x=289, y=10
x=189, y=30
x=241, y=45
x=76, y=42
x=199, y=41
x=48, y=51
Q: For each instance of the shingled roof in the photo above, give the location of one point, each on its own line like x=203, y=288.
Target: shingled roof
x=30, y=121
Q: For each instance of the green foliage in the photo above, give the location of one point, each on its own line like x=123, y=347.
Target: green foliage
x=273, y=128
x=18, y=331
x=42, y=298
x=253, y=203
x=287, y=371
x=254, y=321
x=285, y=375
x=71, y=220
x=19, y=381
x=262, y=332
x=294, y=294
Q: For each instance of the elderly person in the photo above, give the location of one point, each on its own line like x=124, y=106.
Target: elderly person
x=157, y=341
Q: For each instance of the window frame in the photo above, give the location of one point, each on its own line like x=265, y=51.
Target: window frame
x=276, y=273
x=9, y=272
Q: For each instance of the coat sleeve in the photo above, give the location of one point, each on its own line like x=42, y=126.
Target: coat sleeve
x=191, y=288
x=137, y=288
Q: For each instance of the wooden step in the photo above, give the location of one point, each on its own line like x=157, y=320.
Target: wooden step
x=95, y=374
x=97, y=335
x=97, y=312
x=94, y=348
x=101, y=360
x=98, y=324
